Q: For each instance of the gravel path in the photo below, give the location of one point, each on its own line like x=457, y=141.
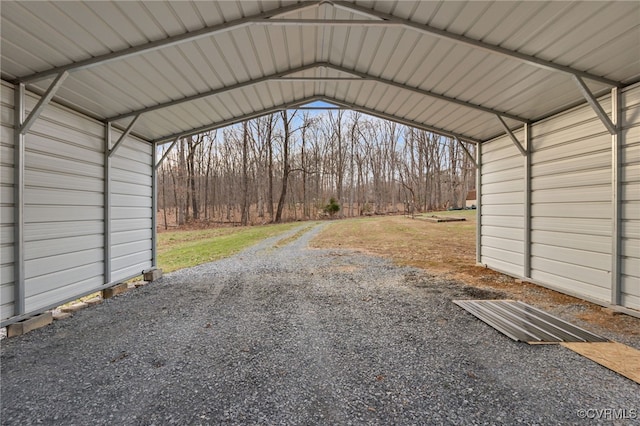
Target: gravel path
x=296, y=336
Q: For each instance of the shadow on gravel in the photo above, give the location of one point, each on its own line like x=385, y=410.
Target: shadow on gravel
x=436, y=285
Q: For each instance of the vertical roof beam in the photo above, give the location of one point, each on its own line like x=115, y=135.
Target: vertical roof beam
x=595, y=105
x=513, y=137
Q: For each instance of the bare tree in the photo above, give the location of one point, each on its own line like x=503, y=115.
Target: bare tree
x=369, y=164
x=286, y=168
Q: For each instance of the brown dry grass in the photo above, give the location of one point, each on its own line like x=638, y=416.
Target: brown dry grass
x=448, y=249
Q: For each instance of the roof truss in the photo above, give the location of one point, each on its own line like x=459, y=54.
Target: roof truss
x=300, y=103
x=273, y=17
x=358, y=76
x=278, y=17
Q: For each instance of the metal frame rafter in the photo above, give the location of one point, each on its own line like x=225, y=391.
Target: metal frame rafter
x=513, y=54
x=310, y=99
x=124, y=135
x=403, y=121
x=234, y=120
x=282, y=76
x=467, y=153
x=513, y=137
x=214, y=92
x=593, y=102
x=427, y=93
x=166, y=152
x=166, y=42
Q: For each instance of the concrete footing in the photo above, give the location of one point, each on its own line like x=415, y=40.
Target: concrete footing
x=152, y=274
x=117, y=289
x=74, y=307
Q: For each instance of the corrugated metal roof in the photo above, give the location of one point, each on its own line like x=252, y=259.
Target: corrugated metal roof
x=444, y=65
x=524, y=323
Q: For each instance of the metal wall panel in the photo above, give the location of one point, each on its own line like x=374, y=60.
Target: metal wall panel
x=571, y=203
x=64, y=207
x=630, y=179
x=62, y=195
x=131, y=208
x=6, y=202
x=571, y=183
x=502, y=198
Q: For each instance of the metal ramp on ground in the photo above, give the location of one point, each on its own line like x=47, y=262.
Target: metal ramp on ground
x=524, y=323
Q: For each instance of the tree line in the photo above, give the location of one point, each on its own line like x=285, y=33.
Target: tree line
x=288, y=165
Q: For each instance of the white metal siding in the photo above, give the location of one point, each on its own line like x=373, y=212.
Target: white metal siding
x=63, y=197
x=571, y=203
x=64, y=207
x=630, y=178
x=6, y=202
x=131, y=208
x=502, y=198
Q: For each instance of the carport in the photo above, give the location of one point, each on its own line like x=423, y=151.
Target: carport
x=548, y=91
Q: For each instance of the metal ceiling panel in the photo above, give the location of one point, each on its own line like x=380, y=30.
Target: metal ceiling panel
x=596, y=37
x=38, y=52
x=128, y=18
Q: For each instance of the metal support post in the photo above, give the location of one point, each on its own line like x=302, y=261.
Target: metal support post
x=18, y=201
x=467, y=153
x=159, y=162
x=124, y=135
x=515, y=140
x=616, y=181
x=107, y=203
x=611, y=127
x=43, y=102
x=154, y=206
x=479, y=203
x=22, y=124
x=527, y=202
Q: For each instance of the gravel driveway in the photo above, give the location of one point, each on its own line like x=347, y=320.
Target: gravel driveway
x=297, y=336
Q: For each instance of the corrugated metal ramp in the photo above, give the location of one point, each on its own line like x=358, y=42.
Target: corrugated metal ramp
x=524, y=323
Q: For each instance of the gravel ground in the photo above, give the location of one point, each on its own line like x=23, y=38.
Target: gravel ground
x=296, y=336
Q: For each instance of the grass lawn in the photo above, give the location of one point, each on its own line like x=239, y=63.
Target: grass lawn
x=448, y=249
x=439, y=247
x=183, y=249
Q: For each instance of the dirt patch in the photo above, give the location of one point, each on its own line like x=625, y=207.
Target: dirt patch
x=447, y=250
